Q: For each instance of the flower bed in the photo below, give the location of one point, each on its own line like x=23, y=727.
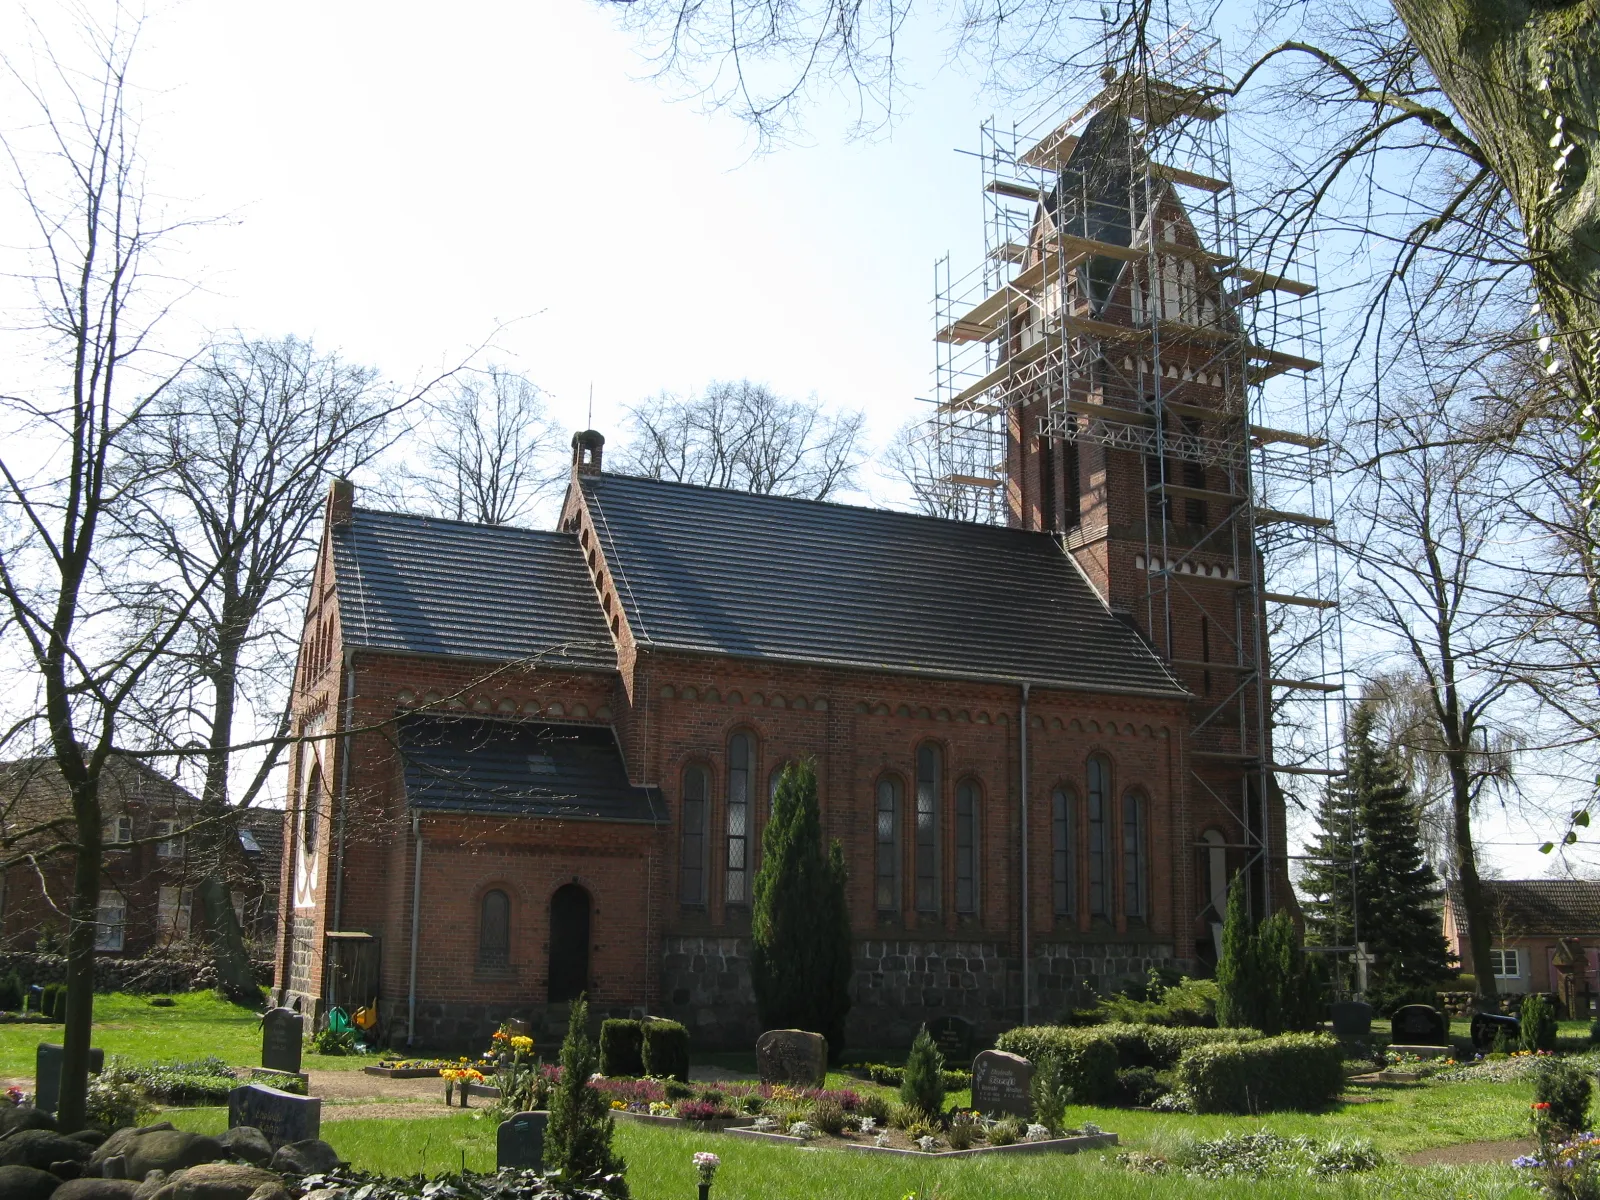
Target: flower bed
x=981, y=1136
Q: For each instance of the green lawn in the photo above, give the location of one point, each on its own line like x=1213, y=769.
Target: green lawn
x=198, y=1024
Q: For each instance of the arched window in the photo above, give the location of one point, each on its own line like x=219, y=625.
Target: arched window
x=929, y=771
x=773, y=780
x=1063, y=836
x=967, y=847
x=494, y=930
x=1216, y=873
x=1133, y=853
x=311, y=811
x=740, y=765
x=692, y=855
x=888, y=863
x=1099, y=836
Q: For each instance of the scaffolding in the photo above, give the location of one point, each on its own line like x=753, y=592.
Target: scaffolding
x=1124, y=303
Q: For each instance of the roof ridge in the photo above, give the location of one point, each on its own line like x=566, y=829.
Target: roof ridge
x=433, y=520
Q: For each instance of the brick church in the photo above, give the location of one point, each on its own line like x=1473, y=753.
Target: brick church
x=539, y=762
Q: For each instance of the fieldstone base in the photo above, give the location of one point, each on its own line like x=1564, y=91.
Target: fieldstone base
x=899, y=985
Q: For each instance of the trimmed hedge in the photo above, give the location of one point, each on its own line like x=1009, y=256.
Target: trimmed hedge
x=1087, y=1057
x=1293, y=1071
x=1161, y=1046
x=882, y=1073
x=621, y=1048
x=666, y=1049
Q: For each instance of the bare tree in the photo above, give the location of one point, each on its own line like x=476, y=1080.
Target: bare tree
x=227, y=470
x=742, y=435
x=487, y=448
x=1427, y=556
x=912, y=459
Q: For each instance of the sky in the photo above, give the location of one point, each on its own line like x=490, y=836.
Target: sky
x=412, y=184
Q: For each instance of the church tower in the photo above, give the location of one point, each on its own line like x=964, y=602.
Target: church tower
x=1102, y=380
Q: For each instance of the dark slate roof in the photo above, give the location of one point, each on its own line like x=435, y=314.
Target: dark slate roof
x=728, y=572
x=427, y=586
x=521, y=768
x=1540, y=907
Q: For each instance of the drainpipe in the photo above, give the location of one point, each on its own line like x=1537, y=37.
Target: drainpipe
x=416, y=918
x=1022, y=772
x=344, y=786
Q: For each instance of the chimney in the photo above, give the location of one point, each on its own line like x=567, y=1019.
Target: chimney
x=588, y=448
x=341, y=503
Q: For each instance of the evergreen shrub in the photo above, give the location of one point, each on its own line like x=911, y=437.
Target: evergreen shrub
x=577, y=1141
x=1050, y=1093
x=1567, y=1089
x=1161, y=1046
x=621, y=1048
x=922, y=1080
x=1538, y=1023
x=11, y=991
x=665, y=1049
x=1087, y=1057
x=1297, y=1071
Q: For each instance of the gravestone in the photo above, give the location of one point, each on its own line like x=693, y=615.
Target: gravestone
x=1002, y=1083
x=281, y=1116
x=1419, y=1025
x=282, y=1040
x=792, y=1056
x=953, y=1036
x=47, y=1073
x=520, y=1141
x=1352, y=1018
x=1487, y=1026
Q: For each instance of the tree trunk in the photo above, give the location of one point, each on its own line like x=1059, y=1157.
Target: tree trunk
x=83, y=911
x=1526, y=78
x=1479, y=930
x=218, y=826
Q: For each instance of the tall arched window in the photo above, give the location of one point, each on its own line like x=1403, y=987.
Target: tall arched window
x=740, y=764
x=311, y=811
x=1133, y=853
x=494, y=930
x=967, y=847
x=1063, y=839
x=692, y=853
x=1099, y=836
x=888, y=842
x=929, y=773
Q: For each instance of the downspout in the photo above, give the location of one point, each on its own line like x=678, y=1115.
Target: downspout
x=416, y=919
x=1027, y=989
x=344, y=786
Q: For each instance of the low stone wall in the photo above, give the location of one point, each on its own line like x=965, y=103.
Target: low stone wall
x=898, y=985
x=146, y=976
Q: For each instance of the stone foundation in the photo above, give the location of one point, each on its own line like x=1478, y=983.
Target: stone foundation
x=898, y=985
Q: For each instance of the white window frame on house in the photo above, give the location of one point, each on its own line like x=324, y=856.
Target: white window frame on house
x=170, y=844
x=110, y=920
x=1498, y=959
x=174, y=908
x=117, y=831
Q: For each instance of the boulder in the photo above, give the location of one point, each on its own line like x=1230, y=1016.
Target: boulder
x=217, y=1181
x=24, y=1116
x=41, y=1147
x=121, y=1142
x=310, y=1157
x=115, y=1167
x=248, y=1143
x=67, y=1168
x=90, y=1188
x=27, y=1183
x=89, y=1137
x=327, y=1194
x=271, y=1191
x=168, y=1150
x=152, y=1184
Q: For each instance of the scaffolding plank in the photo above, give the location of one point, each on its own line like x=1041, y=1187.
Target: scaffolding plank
x=1203, y=665
x=1021, y=359
x=1277, y=361
x=1050, y=151
x=1188, y=178
x=1011, y=252
x=985, y=321
x=1107, y=412
x=1282, y=769
x=1264, y=434
x=1013, y=190
x=1261, y=281
x=1306, y=685
x=1302, y=601
x=1072, y=243
x=1273, y=516
x=1194, y=493
x=1194, y=254
x=1165, y=102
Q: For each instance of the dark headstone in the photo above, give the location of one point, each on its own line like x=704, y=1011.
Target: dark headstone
x=1352, y=1018
x=792, y=1056
x=282, y=1116
x=1419, y=1025
x=47, y=1073
x=520, y=1142
x=1002, y=1083
x=1488, y=1026
x=282, y=1039
x=953, y=1036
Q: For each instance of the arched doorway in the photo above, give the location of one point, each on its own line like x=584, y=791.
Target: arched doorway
x=569, y=943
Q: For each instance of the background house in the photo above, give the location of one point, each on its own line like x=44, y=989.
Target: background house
x=1530, y=918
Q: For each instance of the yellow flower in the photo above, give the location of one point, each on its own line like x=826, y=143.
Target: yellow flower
x=522, y=1043
x=618, y=1104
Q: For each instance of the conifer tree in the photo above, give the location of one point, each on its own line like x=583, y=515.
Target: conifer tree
x=922, y=1080
x=577, y=1142
x=1264, y=979
x=1238, y=986
x=800, y=927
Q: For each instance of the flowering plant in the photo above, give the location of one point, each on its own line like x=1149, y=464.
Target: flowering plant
x=466, y=1074
x=522, y=1044
x=16, y=1096
x=705, y=1165
x=700, y=1110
